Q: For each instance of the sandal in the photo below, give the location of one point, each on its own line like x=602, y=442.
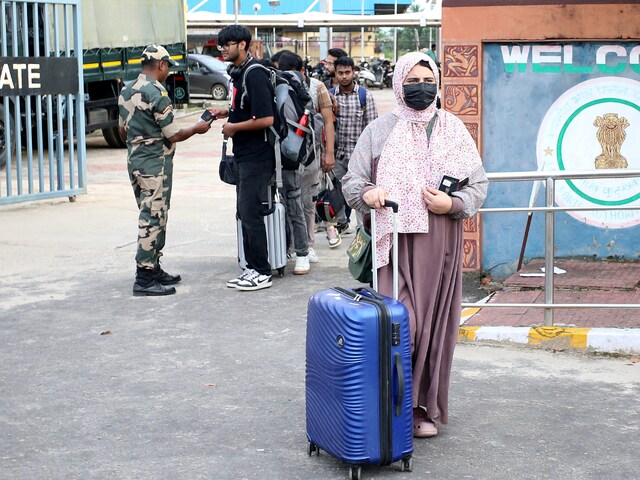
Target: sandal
x=423, y=427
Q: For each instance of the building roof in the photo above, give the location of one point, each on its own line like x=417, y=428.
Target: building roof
x=208, y=20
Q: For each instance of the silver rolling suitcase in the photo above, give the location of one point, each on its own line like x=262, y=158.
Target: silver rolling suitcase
x=274, y=222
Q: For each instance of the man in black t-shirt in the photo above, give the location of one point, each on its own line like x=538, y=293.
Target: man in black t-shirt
x=249, y=117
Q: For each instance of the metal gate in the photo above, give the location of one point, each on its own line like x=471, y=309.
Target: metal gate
x=42, y=115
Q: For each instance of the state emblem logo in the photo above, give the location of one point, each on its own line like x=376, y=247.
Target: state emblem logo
x=595, y=125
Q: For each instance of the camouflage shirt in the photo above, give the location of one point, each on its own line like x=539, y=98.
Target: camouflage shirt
x=146, y=113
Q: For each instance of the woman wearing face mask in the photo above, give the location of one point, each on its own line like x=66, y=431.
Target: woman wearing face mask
x=403, y=156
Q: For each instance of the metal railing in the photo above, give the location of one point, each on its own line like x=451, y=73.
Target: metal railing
x=549, y=178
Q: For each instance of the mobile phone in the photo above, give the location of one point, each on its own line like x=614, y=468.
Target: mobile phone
x=207, y=117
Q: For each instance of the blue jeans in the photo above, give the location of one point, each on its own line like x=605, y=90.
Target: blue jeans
x=252, y=190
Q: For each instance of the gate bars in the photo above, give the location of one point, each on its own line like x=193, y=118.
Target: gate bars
x=36, y=28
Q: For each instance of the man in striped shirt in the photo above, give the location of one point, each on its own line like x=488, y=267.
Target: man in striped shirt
x=356, y=109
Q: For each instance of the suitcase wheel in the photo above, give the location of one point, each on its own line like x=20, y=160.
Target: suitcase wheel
x=407, y=465
x=281, y=272
x=313, y=448
x=355, y=473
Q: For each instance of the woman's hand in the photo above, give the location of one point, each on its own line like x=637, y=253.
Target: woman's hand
x=436, y=201
x=375, y=197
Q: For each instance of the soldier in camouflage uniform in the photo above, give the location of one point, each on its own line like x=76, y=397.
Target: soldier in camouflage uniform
x=146, y=115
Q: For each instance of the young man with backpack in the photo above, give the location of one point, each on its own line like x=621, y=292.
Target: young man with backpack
x=324, y=144
x=356, y=109
x=290, y=72
x=250, y=116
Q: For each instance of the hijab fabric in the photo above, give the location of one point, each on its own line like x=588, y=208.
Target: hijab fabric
x=409, y=162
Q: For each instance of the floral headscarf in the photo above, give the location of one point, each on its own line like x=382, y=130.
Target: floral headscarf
x=409, y=162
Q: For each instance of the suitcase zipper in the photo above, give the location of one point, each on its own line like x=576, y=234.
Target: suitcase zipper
x=385, y=401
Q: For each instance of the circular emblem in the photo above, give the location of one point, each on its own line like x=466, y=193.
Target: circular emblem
x=340, y=341
x=589, y=128
x=180, y=93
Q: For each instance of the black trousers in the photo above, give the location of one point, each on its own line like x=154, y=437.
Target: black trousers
x=252, y=190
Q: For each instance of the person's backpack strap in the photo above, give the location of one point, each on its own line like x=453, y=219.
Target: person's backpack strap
x=276, y=149
x=362, y=95
x=270, y=72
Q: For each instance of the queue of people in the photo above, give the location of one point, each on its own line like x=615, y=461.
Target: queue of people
x=402, y=155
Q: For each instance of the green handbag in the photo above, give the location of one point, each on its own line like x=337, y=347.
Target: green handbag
x=359, y=253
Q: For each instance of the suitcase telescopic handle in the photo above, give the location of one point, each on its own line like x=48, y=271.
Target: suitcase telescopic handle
x=392, y=205
x=272, y=199
x=374, y=262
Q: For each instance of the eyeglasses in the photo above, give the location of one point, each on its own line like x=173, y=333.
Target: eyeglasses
x=326, y=62
x=226, y=46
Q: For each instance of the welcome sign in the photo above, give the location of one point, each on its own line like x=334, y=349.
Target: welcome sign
x=564, y=106
x=544, y=58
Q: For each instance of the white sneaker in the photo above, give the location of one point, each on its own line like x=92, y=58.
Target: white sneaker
x=302, y=265
x=233, y=283
x=313, y=257
x=254, y=281
x=333, y=236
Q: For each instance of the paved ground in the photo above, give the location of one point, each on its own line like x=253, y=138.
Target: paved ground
x=584, y=282
x=209, y=383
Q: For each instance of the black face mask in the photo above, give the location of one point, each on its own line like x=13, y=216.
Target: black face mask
x=419, y=95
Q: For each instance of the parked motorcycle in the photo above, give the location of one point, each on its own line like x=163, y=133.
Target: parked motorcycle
x=313, y=71
x=356, y=75
x=371, y=75
x=388, y=73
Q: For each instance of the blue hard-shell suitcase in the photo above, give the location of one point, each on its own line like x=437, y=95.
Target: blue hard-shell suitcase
x=358, y=376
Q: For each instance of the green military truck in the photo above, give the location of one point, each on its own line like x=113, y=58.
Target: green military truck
x=114, y=34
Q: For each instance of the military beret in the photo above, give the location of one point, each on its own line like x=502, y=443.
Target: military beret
x=158, y=52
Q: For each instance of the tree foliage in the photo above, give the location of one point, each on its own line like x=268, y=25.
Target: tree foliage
x=410, y=39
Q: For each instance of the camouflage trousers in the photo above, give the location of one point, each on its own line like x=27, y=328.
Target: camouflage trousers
x=153, y=196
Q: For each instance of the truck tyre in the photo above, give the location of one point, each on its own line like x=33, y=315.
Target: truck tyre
x=113, y=137
x=6, y=131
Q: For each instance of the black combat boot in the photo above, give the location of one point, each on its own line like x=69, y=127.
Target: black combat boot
x=146, y=285
x=165, y=278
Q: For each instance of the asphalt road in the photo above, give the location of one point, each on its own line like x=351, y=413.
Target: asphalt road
x=209, y=383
